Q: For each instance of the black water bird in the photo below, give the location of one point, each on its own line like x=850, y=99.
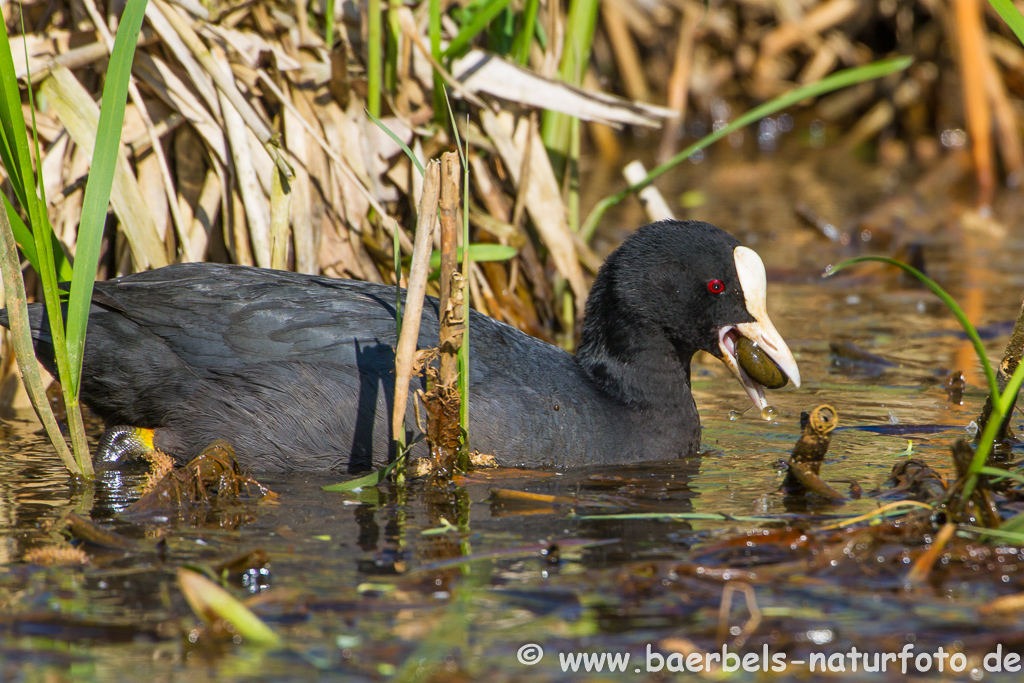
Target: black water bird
x=297, y=371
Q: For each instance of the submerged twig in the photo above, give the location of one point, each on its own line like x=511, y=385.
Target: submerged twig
x=809, y=452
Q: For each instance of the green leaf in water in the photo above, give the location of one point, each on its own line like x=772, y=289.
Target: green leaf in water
x=211, y=602
x=369, y=480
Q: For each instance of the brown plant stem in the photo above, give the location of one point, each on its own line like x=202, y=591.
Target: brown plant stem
x=445, y=430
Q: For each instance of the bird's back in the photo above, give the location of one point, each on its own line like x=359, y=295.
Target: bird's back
x=297, y=372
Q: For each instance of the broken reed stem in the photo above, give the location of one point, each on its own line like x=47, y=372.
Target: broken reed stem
x=451, y=339
x=452, y=318
x=405, y=352
x=1011, y=359
x=280, y=199
x=655, y=206
x=21, y=336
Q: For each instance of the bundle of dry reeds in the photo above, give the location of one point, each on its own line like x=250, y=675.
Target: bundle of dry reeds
x=226, y=92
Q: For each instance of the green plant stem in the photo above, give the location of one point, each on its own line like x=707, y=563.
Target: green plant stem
x=374, y=48
x=840, y=79
x=391, y=56
x=478, y=23
x=579, y=35
x=96, y=198
x=329, y=24
x=524, y=38
x=42, y=235
x=21, y=336
x=463, y=355
x=434, y=33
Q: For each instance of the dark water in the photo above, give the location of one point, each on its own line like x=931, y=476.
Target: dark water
x=360, y=593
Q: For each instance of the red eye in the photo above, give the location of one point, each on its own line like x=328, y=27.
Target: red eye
x=716, y=287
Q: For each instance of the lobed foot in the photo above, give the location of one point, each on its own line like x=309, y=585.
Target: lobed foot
x=122, y=445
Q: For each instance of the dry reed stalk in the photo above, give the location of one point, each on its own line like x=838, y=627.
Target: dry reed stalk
x=542, y=199
x=970, y=43
x=257, y=209
x=405, y=352
x=205, y=216
x=158, y=150
x=452, y=319
x=221, y=75
x=280, y=200
x=626, y=54
x=679, y=82
x=80, y=115
x=1010, y=148
x=21, y=339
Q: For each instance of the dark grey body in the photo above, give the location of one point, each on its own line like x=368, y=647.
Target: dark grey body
x=297, y=372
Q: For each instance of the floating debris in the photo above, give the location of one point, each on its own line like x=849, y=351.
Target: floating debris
x=920, y=481
x=57, y=556
x=212, y=482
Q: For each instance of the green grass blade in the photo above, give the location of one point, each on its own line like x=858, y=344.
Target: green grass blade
x=1001, y=402
x=840, y=79
x=478, y=251
x=524, y=38
x=399, y=141
x=1011, y=15
x=101, y=180
x=12, y=121
x=961, y=317
x=579, y=36
x=1015, y=537
x=481, y=18
x=998, y=474
x=329, y=24
x=21, y=338
x=371, y=479
x=47, y=250
x=375, y=46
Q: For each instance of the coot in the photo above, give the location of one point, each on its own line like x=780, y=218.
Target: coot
x=297, y=371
